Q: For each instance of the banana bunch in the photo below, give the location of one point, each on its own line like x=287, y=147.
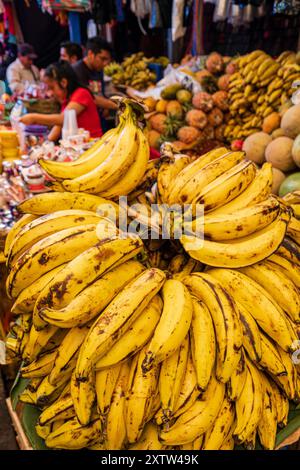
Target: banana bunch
x=112, y=167
x=216, y=371
x=132, y=72
x=259, y=87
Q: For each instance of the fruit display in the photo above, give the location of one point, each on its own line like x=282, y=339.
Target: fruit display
x=108, y=361
x=134, y=71
x=280, y=147
x=197, y=119
x=259, y=89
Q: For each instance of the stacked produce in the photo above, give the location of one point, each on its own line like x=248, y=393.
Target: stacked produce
x=192, y=120
x=260, y=87
x=110, y=363
x=278, y=144
x=134, y=71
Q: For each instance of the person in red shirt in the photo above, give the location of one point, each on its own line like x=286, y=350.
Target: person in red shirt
x=64, y=86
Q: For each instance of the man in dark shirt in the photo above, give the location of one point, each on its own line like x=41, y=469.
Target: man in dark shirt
x=89, y=70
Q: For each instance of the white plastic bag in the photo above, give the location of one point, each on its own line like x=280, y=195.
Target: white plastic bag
x=171, y=76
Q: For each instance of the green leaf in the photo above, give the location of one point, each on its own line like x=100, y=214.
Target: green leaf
x=29, y=419
x=18, y=387
x=291, y=427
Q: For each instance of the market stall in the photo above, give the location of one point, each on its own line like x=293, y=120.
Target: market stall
x=150, y=277
x=106, y=361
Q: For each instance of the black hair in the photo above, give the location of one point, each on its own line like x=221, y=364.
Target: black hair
x=98, y=44
x=60, y=70
x=72, y=48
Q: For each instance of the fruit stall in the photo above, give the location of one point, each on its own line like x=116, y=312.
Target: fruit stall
x=104, y=360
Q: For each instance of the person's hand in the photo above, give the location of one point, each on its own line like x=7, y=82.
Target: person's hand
x=27, y=119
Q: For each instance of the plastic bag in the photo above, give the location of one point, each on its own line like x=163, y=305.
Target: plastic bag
x=171, y=76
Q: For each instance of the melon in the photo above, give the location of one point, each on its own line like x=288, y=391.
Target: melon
x=279, y=153
x=290, y=184
x=296, y=150
x=255, y=145
x=290, y=122
x=278, y=178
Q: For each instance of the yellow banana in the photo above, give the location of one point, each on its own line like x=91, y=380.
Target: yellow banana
x=280, y=287
x=191, y=170
x=47, y=393
x=256, y=192
x=171, y=378
x=249, y=405
x=224, y=313
x=49, y=253
x=121, y=157
x=257, y=301
x=136, y=337
x=207, y=175
x=203, y=343
x=40, y=367
x=282, y=405
x=288, y=383
x=216, y=435
x=236, y=383
x=270, y=359
x=134, y=174
x=141, y=390
x=83, y=270
x=173, y=325
x=251, y=334
x=47, y=225
x=37, y=341
x=83, y=396
x=118, y=317
x=226, y=187
x=267, y=425
x=66, y=352
x=116, y=422
x=26, y=299
x=289, y=250
x=72, y=435
x=168, y=172
x=92, y=158
x=238, y=224
x=238, y=253
x=287, y=267
x=198, y=418
x=94, y=298
x=61, y=409
x=24, y=220
x=149, y=439
x=46, y=203
x=105, y=383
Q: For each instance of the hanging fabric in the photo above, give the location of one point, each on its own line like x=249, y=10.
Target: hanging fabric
x=104, y=12
x=74, y=27
x=70, y=5
x=178, y=30
x=155, y=20
x=165, y=7
x=198, y=46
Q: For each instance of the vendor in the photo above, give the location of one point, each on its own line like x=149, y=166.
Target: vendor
x=70, y=52
x=22, y=70
x=64, y=85
x=89, y=70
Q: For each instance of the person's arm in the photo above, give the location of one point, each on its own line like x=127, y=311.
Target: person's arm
x=14, y=79
x=42, y=119
x=55, y=133
x=105, y=103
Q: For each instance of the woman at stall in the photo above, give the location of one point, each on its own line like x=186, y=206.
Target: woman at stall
x=64, y=86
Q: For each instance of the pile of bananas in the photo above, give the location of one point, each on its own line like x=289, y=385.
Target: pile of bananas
x=109, y=362
x=112, y=365
x=112, y=167
x=259, y=87
x=132, y=72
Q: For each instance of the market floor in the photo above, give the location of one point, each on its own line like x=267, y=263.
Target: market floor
x=7, y=435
